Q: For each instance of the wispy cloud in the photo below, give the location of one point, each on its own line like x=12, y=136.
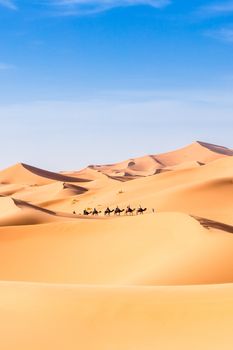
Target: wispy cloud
x=84, y=7
x=8, y=4
x=217, y=9
x=223, y=34
x=5, y=66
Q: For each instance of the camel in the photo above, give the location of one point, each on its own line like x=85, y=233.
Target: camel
x=96, y=212
x=118, y=211
x=129, y=210
x=140, y=210
x=85, y=212
x=108, y=211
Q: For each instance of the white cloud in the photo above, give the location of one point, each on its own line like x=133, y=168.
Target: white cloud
x=217, y=9
x=9, y=4
x=223, y=34
x=82, y=7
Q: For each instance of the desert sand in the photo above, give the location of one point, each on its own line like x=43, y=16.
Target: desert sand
x=161, y=280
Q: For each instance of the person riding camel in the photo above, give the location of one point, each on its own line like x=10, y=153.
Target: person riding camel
x=96, y=212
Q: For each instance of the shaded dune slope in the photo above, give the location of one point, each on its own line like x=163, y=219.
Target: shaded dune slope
x=214, y=224
x=74, y=190
x=217, y=149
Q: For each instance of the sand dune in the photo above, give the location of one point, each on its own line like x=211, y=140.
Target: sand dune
x=35, y=316
x=53, y=191
x=162, y=280
x=203, y=191
x=26, y=174
x=128, y=250
x=212, y=199
x=198, y=153
x=15, y=212
x=10, y=189
x=73, y=189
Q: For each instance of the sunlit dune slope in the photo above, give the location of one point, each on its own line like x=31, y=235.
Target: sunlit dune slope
x=167, y=248
x=211, y=199
x=10, y=189
x=135, y=318
x=198, y=151
x=53, y=191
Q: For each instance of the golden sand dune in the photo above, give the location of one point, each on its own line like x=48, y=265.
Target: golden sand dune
x=15, y=212
x=10, y=189
x=167, y=248
x=26, y=174
x=198, y=153
x=88, y=172
x=212, y=199
x=53, y=191
x=162, y=280
x=35, y=316
x=204, y=191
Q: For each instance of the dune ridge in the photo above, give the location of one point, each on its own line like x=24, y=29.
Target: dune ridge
x=199, y=152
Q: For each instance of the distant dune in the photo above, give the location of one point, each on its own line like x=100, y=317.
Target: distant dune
x=26, y=174
x=198, y=153
x=162, y=280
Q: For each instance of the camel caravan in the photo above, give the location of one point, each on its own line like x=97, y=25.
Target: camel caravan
x=117, y=211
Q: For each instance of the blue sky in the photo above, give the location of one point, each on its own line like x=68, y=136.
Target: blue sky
x=85, y=82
